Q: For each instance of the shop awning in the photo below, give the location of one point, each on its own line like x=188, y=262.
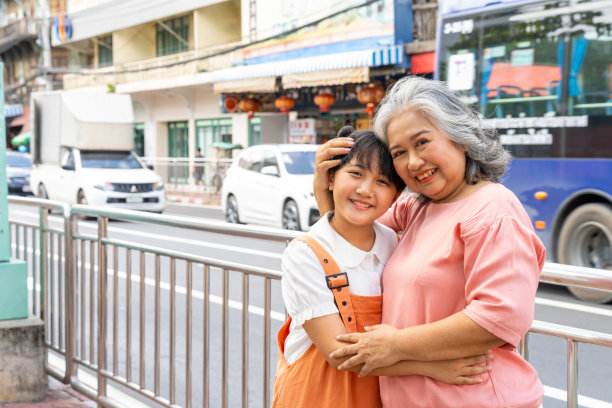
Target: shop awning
x=328, y=77
x=364, y=58
x=21, y=139
x=255, y=85
x=10, y=111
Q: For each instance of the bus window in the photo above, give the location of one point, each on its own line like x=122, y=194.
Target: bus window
x=590, y=87
x=521, y=65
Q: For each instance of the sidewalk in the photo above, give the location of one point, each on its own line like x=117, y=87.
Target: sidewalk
x=58, y=395
x=198, y=195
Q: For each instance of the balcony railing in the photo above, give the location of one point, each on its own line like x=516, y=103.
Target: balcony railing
x=175, y=65
x=17, y=31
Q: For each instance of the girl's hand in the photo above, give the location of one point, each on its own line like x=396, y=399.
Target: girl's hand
x=325, y=152
x=461, y=371
x=374, y=349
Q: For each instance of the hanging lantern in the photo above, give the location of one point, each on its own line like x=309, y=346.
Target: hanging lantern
x=324, y=101
x=284, y=103
x=250, y=105
x=371, y=96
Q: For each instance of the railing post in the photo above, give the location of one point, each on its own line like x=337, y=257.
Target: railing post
x=524, y=347
x=572, y=374
x=102, y=233
x=44, y=294
x=70, y=292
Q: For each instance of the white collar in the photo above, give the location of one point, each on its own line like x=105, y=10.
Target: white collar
x=345, y=253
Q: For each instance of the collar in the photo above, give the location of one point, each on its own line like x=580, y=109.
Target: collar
x=345, y=253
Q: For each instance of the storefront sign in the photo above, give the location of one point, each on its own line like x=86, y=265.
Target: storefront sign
x=302, y=131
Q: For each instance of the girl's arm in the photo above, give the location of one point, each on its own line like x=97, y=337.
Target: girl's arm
x=323, y=331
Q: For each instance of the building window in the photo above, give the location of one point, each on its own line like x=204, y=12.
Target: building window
x=210, y=131
x=139, y=139
x=105, y=51
x=172, y=36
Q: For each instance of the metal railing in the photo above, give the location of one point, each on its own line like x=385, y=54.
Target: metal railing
x=144, y=340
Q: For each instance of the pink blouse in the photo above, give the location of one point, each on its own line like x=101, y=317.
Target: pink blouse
x=479, y=255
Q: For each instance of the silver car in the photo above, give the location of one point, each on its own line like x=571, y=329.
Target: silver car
x=18, y=172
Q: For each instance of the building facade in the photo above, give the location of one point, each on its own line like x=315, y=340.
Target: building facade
x=206, y=73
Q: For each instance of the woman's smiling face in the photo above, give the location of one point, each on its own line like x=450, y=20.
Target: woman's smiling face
x=428, y=161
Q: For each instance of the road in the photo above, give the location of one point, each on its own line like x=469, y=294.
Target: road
x=548, y=355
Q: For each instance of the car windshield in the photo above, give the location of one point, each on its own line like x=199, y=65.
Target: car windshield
x=299, y=162
x=17, y=160
x=109, y=160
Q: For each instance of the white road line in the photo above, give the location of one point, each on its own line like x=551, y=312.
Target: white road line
x=195, y=242
x=573, y=306
x=583, y=400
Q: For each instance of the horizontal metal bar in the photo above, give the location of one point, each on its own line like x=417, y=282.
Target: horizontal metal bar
x=85, y=237
x=39, y=202
x=560, y=274
x=572, y=333
x=251, y=270
x=221, y=227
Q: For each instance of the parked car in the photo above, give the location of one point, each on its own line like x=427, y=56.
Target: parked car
x=18, y=172
x=101, y=178
x=272, y=185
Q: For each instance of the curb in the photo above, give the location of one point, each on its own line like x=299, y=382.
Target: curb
x=210, y=201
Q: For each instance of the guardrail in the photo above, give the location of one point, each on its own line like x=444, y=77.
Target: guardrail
x=97, y=330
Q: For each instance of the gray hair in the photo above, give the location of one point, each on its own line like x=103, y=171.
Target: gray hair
x=485, y=156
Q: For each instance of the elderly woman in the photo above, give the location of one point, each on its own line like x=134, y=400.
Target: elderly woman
x=464, y=275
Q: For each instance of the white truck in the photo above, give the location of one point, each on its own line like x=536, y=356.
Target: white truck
x=82, y=146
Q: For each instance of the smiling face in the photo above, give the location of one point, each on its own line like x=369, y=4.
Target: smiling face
x=361, y=195
x=428, y=161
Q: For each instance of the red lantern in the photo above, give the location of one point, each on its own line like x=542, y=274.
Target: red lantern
x=324, y=101
x=371, y=95
x=250, y=105
x=284, y=103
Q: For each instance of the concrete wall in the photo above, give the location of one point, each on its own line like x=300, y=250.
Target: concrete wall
x=274, y=128
x=216, y=24
x=133, y=44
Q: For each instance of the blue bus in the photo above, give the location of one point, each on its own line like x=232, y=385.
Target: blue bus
x=540, y=72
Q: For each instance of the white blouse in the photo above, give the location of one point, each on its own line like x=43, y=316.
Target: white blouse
x=304, y=287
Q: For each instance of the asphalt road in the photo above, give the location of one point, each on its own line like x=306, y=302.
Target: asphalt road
x=548, y=355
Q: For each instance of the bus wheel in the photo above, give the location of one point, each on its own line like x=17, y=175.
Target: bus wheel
x=586, y=240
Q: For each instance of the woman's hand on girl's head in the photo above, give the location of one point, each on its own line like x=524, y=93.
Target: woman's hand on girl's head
x=325, y=152
x=374, y=349
x=463, y=371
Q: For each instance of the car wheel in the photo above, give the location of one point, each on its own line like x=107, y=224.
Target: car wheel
x=586, y=240
x=42, y=192
x=291, y=216
x=231, y=210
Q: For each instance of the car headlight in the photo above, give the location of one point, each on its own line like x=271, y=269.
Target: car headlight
x=105, y=187
x=158, y=186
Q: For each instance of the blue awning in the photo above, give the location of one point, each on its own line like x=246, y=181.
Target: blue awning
x=365, y=58
x=11, y=111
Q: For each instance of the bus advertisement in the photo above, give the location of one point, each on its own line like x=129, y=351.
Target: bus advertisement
x=540, y=72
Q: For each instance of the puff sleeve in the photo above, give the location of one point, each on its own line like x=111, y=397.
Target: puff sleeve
x=303, y=284
x=502, y=266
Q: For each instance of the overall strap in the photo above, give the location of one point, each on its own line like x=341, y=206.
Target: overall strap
x=337, y=282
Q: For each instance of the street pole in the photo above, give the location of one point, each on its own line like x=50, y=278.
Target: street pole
x=13, y=273
x=21, y=338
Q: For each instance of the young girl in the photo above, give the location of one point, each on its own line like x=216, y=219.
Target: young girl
x=332, y=285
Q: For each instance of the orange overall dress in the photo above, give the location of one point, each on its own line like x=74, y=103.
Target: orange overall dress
x=310, y=382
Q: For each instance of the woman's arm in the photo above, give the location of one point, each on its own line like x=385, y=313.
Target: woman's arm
x=334, y=147
x=454, y=337
x=323, y=330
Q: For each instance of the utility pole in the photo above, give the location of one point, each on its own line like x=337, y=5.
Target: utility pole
x=45, y=41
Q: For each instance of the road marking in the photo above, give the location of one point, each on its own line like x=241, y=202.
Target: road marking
x=195, y=242
x=573, y=306
x=583, y=401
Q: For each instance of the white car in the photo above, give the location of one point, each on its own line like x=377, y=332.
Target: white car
x=272, y=185
x=102, y=178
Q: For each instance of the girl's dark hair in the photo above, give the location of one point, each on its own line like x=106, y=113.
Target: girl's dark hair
x=371, y=152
